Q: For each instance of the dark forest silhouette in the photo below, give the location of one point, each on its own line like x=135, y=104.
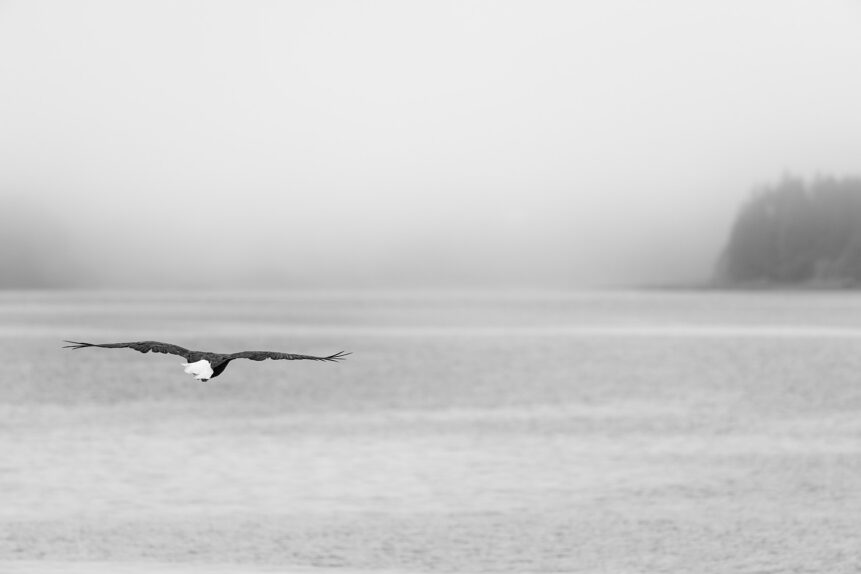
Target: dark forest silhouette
x=796, y=233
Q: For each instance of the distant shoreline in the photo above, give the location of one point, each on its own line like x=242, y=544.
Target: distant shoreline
x=764, y=286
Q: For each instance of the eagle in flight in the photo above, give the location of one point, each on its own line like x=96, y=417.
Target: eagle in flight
x=203, y=364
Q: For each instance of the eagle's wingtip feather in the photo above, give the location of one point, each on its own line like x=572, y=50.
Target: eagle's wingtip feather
x=75, y=345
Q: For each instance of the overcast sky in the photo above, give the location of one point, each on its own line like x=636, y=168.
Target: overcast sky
x=429, y=143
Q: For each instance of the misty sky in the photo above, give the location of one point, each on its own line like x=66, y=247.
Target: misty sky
x=166, y=143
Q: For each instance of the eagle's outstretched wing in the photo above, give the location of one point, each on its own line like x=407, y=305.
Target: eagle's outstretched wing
x=140, y=346
x=263, y=355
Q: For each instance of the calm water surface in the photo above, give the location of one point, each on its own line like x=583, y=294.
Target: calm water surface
x=585, y=432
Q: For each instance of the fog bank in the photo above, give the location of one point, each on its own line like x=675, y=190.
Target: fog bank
x=329, y=143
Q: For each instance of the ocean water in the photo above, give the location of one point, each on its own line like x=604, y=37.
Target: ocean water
x=528, y=432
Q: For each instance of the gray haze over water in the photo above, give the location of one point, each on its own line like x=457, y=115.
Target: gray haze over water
x=161, y=144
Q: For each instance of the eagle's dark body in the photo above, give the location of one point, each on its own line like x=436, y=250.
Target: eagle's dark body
x=200, y=362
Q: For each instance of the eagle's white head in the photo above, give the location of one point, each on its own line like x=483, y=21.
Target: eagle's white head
x=201, y=370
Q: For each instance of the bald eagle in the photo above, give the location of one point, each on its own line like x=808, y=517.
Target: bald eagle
x=203, y=364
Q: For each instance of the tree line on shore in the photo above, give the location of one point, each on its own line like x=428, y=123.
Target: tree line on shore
x=796, y=232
